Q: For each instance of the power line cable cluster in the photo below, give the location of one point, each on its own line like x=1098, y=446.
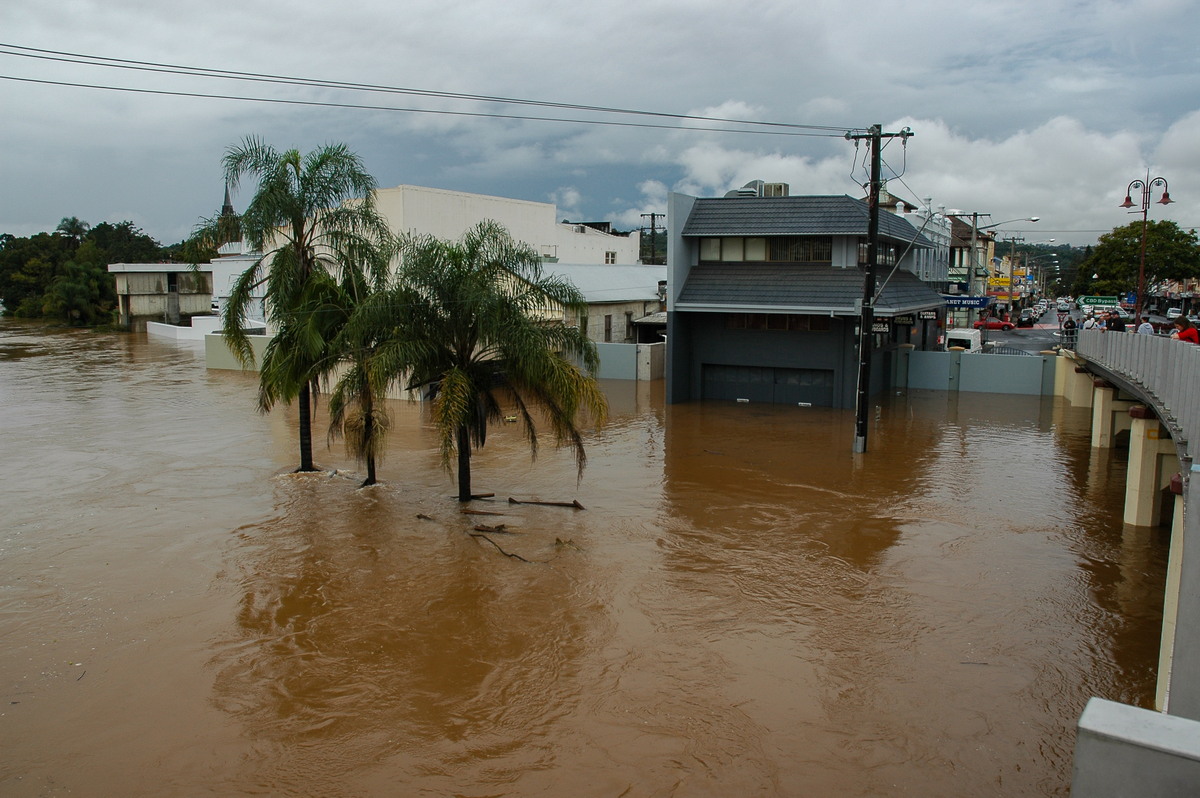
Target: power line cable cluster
x=752, y=127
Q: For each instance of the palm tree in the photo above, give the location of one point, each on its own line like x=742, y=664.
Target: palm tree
x=356, y=404
x=74, y=229
x=473, y=328
x=311, y=215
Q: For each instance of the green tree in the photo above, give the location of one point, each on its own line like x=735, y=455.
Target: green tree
x=74, y=229
x=84, y=293
x=475, y=327
x=357, y=409
x=1171, y=254
x=310, y=215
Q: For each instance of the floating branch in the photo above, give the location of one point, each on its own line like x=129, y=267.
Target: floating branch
x=574, y=503
x=502, y=551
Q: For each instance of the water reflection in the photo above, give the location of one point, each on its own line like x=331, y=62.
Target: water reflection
x=745, y=607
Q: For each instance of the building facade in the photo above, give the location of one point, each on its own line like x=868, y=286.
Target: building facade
x=764, y=298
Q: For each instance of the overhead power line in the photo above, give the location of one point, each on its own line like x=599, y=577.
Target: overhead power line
x=439, y=112
x=82, y=59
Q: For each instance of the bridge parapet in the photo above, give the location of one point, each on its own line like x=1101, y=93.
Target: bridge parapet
x=1166, y=370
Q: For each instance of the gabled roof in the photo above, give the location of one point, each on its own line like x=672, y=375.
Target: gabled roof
x=791, y=288
x=823, y=215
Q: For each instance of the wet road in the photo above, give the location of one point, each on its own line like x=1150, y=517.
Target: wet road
x=744, y=608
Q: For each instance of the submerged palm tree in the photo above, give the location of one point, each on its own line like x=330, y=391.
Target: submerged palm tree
x=310, y=215
x=356, y=403
x=472, y=324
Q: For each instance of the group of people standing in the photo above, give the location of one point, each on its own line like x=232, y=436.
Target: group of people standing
x=1184, y=329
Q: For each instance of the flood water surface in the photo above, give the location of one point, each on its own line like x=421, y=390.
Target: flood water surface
x=743, y=608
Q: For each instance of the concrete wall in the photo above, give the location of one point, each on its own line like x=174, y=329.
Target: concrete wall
x=1123, y=751
x=218, y=356
x=448, y=214
x=981, y=373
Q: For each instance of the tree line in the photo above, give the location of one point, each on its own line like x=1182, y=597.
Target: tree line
x=63, y=274
x=473, y=325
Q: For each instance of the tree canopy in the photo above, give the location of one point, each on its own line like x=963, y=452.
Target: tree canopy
x=63, y=274
x=1172, y=253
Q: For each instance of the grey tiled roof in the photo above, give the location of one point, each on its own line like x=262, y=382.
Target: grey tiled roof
x=793, y=216
x=798, y=288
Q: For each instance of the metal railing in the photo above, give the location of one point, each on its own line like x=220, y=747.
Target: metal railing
x=1167, y=370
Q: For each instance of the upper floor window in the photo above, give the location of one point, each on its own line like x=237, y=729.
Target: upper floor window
x=610, y=257
x=885, y=255
x=779, y=249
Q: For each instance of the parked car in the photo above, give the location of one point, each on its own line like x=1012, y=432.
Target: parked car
x=1174, y=313
x=993, y=323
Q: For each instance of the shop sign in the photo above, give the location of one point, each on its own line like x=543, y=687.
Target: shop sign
x=903, y=321
x=927, y=315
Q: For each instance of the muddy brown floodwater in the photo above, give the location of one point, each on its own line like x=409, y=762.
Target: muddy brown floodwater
x=743, y=608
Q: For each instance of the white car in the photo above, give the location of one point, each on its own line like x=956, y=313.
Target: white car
x=1174, y=313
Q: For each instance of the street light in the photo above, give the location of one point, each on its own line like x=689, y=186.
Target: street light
x=1145, y=186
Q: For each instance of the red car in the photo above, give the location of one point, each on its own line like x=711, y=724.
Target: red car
x=993, y=323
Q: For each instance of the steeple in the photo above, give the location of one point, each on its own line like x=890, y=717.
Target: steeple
x=227, y=208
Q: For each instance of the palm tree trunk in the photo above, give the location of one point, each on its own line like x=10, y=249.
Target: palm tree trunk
x=370, y=480
x=464, y=465
x=305, y=409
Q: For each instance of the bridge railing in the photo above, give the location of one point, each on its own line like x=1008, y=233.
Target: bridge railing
x=1166, y=369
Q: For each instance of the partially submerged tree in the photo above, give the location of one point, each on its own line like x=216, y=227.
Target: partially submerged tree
x=311, y=216
x=477, y=326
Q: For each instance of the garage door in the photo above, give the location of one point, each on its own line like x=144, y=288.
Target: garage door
x=768, y=384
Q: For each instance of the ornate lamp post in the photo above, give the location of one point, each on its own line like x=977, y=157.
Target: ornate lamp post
x=1145, y=186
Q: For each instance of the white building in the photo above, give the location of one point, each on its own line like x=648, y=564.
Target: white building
x=448, y=214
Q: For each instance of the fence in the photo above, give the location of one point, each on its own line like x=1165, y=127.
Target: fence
x=1166, y=370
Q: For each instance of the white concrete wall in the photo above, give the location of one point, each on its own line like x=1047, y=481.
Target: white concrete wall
x=448, y=214
x=1123, y=751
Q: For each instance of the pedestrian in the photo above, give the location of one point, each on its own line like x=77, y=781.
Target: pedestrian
x=1144, y=327
x=1115, y=322
x=1089, y=323
x=1068, y=333
x=1186, y=331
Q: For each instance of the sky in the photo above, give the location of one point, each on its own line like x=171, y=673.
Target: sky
x=1046, y=108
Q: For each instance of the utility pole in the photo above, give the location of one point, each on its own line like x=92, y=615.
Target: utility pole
x=866, y=322
x=653, y=239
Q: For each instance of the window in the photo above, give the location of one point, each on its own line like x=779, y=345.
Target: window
x=792, y=322
x=733, y=249
x=610, y=257
x=885, y=254
x=779, y=249
x=608, y=328
x=629, y=326
x=172, y=282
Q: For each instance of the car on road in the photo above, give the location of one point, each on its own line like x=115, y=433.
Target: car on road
x=993, y=323
x=1174, y=313
x=1027, y=318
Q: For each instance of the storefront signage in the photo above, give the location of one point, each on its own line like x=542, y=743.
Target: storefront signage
x=881, y=326
x=903, y=321
x=999, y=281
x=966, y=301
x=927, y=315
